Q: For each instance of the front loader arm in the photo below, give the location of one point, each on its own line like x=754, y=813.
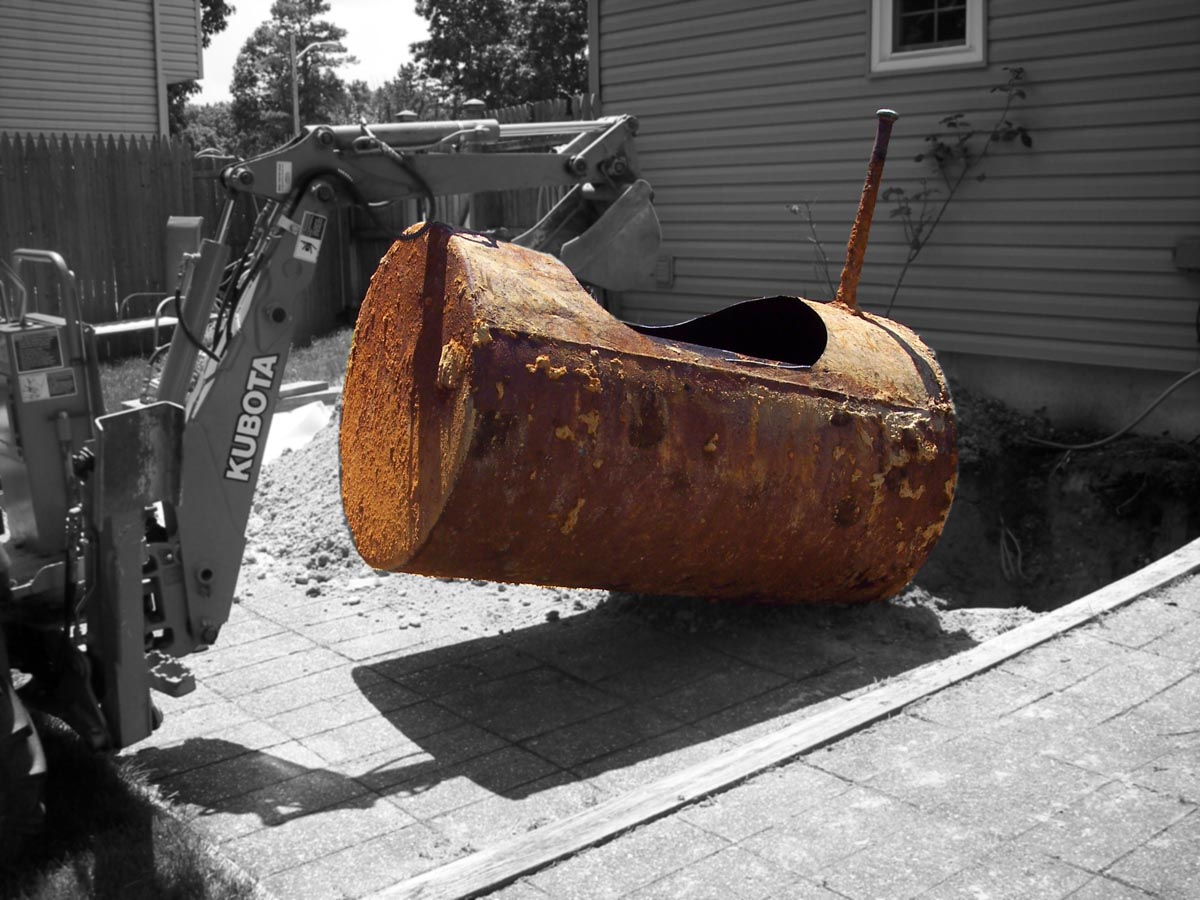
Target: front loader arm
x=395, y=161
x=604, y=228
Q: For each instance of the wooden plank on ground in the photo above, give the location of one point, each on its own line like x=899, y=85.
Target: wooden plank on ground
x=503, y=863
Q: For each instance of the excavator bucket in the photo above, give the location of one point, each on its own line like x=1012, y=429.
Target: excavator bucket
x=619, y=250
x=499, y=424
x=615, y=249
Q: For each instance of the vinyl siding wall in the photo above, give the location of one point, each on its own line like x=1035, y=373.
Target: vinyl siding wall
x=84, y=67
x=1063, y=253
x=179, y=40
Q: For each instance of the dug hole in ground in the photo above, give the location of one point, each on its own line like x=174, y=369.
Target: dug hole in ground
x=1031, y=528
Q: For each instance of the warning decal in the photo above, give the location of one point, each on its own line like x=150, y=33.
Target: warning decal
x=283, y=176
x=47, y=385
x=38, y=350
x=312, y=232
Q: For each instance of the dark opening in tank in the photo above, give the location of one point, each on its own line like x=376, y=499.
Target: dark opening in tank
x=785, y=330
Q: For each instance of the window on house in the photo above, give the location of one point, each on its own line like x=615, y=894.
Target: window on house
x=921, y=24
x=912, y=35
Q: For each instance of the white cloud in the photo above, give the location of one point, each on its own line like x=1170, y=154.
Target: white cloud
x=378, y=32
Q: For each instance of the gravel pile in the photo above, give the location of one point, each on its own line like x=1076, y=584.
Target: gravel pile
x=297, y=519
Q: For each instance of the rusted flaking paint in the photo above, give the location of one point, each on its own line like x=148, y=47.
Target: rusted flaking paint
x=709, y=477
x=572, y=517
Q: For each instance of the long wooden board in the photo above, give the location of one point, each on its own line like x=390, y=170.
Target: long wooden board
x=490, y=869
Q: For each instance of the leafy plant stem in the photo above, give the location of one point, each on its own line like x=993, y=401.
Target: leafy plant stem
x=920, y=231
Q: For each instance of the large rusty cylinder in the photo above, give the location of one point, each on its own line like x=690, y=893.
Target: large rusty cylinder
x=499, y=424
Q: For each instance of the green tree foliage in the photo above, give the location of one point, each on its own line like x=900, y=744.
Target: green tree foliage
x=408, y=92
x=210, y=128
x=213, y=18
x=262, y=86
x=505, y=52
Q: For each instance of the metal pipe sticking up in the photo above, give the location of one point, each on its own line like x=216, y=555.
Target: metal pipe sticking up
x=856, y=247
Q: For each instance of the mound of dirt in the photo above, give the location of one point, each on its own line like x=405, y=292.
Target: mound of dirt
x=297, y=517
x=299, y=539
x=1031, y=528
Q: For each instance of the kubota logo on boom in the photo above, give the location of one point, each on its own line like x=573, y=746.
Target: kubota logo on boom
x=248, y=432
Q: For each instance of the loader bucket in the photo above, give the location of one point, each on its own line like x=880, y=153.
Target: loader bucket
x=615, y=248
x=499, y=424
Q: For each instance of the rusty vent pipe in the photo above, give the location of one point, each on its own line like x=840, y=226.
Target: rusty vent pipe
x=856, y=248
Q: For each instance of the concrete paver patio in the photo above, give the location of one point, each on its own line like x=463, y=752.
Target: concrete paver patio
x=331, y=764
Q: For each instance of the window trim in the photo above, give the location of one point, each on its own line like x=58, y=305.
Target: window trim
x=885, y=61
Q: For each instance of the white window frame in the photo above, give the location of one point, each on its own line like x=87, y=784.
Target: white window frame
x=885, y=60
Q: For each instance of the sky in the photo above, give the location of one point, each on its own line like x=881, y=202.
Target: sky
x=378, y=32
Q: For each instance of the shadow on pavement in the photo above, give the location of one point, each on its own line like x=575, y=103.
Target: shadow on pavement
x=218, y=776
x=593, y=703
x=638, y=681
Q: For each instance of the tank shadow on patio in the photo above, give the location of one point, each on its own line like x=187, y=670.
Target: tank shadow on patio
x=640, y=686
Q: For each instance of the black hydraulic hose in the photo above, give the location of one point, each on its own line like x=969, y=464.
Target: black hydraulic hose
x=400, y=160
x=187, y=331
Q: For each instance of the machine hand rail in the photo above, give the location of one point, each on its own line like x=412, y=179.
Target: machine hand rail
x=70, y=299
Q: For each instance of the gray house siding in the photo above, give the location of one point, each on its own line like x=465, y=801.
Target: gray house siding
x=1063, y=253
x=178, y=28
x=93, y=68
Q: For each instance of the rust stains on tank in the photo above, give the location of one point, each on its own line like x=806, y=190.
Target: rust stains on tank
x=649, y=464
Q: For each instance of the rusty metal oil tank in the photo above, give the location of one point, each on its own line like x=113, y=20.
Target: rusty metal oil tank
x=499, y=424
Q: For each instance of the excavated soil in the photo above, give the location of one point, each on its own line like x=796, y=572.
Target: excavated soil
x=1038, y=526
x=1031, y=528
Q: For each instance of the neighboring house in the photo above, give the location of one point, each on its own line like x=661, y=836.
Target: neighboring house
x=1067, y=278
x=94, y=66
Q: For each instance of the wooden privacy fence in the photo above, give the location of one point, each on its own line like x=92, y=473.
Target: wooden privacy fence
x=103, y=203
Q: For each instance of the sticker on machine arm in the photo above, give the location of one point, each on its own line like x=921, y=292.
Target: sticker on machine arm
x=248, y=435
x=47, y=385
x=308, y=241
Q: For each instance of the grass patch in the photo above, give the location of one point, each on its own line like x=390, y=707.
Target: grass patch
x=323, y=359
x=108, y=835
